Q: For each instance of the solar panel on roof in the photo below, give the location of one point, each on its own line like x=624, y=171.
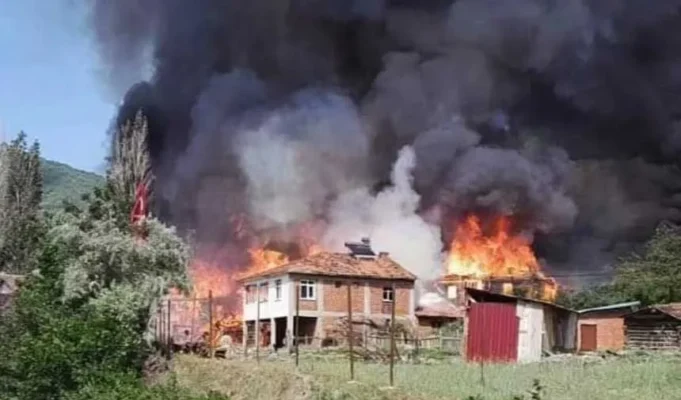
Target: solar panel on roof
x=360, y=249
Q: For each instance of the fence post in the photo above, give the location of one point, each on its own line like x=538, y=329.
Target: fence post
x=392, y=336
x=257, y=324
x=350, y=333
x=210, y=324
x=192, y=335
x=170, y=330
x=296, y=331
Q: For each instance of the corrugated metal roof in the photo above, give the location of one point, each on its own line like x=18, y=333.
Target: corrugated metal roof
x=611, y=307
x=479, y=294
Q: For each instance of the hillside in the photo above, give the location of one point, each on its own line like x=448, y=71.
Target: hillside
x=62, y=182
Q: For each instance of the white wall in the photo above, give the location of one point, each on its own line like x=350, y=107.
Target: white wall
x=271, y=308
x=530, y=331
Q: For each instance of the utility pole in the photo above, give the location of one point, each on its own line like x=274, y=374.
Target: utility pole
x=350, y=332
x=210, y=324
x=257, y=324
x=392, y=336
x=296, y=332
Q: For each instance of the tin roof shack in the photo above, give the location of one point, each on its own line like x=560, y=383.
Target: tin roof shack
x=602, y=328
x=434, y=312
x=8, y=286
x=504, y=328
x=654, y=328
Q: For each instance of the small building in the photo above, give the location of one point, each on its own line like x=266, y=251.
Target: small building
x=434, y=312
x=8, y=286
x=505, y=328
x=656, y=327
x=318, y=286
x=602, y=328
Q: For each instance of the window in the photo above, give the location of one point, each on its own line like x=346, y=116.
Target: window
x=452, y=292
x=277, y=289
x=263, y=292
x=307, y=290
x=388, y=294
x=250, y=294
x=507, y=288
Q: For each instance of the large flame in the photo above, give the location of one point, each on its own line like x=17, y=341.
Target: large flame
x=476, y=253
x=481, y=253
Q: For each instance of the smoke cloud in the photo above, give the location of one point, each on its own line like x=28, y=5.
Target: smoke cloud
x=395, y=117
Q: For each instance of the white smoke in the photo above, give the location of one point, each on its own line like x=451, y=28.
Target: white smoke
x=390, y=219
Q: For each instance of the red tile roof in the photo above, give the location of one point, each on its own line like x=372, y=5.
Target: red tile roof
x=440, y=310
x=338, y=265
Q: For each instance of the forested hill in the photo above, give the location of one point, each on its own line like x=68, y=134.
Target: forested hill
x=63, y=182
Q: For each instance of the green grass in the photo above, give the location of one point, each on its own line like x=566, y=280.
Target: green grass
x=622, y=378
x=62, y=182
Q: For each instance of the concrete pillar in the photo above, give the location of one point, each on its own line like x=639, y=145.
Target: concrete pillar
x=273, y=332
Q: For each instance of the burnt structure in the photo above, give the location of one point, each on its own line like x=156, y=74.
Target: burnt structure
x=534, y=286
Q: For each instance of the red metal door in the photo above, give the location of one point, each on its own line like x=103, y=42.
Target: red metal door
x=492, y=332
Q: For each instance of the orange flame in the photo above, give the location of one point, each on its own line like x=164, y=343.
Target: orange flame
x=496, y=253
x=477, y=254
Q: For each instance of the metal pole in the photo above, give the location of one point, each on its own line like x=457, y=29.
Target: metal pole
x=257, y=324
x=297, y=322
x=170, y=330
x=210, y=324
x=392, y=337
x=350, y=333
x=191, y=331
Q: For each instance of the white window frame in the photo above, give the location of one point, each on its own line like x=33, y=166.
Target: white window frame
x=250, y=294
x=307, y=289
x=263, y=290
x=391, y=297
x=277, y=290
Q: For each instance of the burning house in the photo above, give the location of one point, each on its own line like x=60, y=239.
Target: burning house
x=495, y=261
x=307, y=298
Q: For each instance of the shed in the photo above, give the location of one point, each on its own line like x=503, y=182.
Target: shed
x=505, y=328
x=602, y=328
x=656, y=327
x=434, y=311
x=8, y=286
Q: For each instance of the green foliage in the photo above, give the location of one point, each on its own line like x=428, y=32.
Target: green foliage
x=596, y=296
x=62, y=183
x=655, y=276
x=79, y=324
x=20, y=197
x=126, y=387
x=652, y=277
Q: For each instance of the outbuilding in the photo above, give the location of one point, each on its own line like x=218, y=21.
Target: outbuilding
x=602, y=328
x=505, y=328
x=656, y=327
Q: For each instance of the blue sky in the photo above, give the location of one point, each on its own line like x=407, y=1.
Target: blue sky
x=50, y=82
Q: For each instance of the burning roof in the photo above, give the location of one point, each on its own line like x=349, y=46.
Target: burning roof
x=339, y=265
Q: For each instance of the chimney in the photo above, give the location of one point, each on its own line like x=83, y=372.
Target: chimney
x=362, y=249
x=383, y=254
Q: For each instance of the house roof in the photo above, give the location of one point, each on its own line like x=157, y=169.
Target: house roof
x=481, y=295
x=9, y=283
x=671, y=309
x=443, y=309
x=613, y=307
x=338, y=265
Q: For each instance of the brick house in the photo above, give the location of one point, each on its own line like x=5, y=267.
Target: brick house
x=322, y=286
x=602, y=328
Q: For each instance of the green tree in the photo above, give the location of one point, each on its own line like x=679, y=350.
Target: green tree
x=83, y=320
x=129, y=162
x=20, y=198
x=654, y=276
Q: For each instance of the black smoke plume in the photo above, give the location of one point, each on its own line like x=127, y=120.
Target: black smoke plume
x=563, y=113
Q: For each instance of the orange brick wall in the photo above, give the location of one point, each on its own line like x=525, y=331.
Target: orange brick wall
x=336, y=298
x=609, y=332
x=401, y=297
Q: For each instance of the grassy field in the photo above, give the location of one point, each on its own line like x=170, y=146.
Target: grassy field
x=625, y=378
